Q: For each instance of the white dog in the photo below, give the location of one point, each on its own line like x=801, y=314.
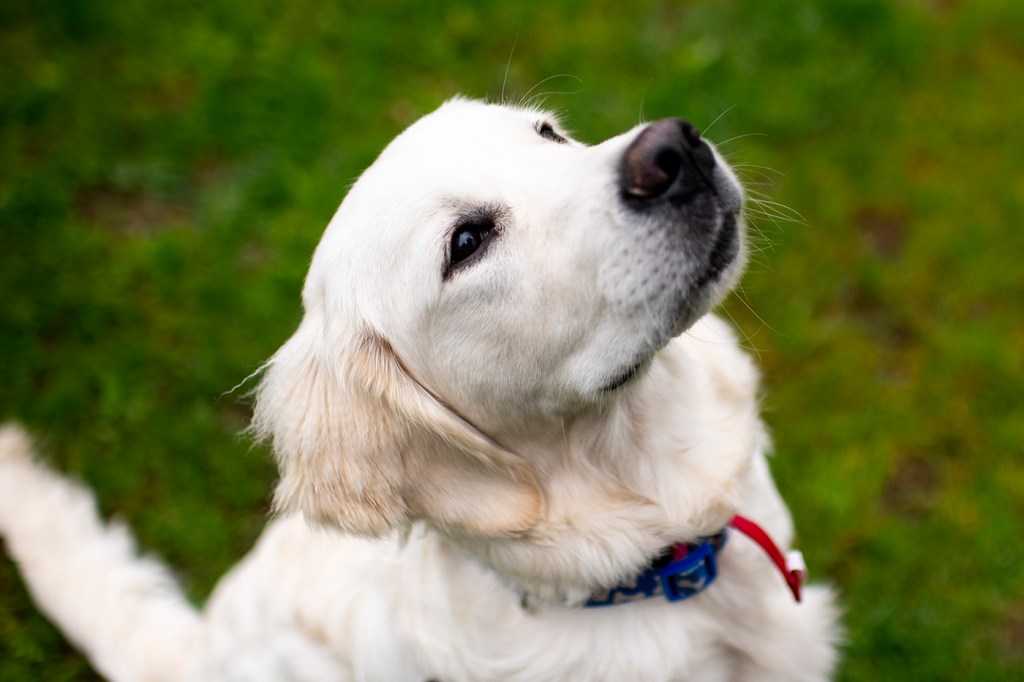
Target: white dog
x=505, y=411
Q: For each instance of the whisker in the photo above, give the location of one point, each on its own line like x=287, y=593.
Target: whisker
x=753, y=177
x=739, y=137
x=745, y=340
x=759, y=235
x=508, y=65
x=538, y=101
x=770, y=213
x=643, y=101
x=768, y=169
x=526, y=100
x=717, y=118
x=781, y=211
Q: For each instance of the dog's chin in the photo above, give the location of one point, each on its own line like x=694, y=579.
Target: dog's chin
x=686, y=315
x=693, y=307
x=713, y=280
x=712, y=283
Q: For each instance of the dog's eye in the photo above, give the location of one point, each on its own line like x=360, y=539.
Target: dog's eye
x=467, y=240
x=548, y=133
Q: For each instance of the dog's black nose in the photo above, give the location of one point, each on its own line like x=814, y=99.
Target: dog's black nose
x=667, y=159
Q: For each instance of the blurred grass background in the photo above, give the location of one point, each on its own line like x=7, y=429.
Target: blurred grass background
x=167, y=166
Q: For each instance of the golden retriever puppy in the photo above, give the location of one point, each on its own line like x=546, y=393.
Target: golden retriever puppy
x=513, y=442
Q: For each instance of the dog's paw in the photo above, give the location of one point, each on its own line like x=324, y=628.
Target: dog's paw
x=15, y=443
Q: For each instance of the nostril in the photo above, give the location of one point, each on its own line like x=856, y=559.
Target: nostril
x=690, y=132
x=669, y=161
x=651, y=167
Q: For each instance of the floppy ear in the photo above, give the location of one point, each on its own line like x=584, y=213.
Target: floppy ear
x=362, y=446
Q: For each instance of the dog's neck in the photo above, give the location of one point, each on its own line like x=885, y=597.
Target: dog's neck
x=616, y=480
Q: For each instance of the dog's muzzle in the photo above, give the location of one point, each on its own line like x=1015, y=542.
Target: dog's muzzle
x=670, y=176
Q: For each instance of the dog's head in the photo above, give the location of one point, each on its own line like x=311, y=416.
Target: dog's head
x=486, y=276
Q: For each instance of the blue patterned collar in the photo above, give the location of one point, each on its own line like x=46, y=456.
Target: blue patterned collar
x=682, y=571
x=686, y=569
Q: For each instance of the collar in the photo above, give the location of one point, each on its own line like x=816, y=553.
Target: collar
x=686, y=569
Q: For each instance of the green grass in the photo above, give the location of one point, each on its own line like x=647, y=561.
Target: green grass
x=166, y=169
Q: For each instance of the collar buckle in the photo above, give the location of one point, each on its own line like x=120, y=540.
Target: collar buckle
x=690, y=574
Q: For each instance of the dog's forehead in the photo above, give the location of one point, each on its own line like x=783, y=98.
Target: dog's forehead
x=396, y=216
x=466, y=152
x=465, y=129
x=473, y=119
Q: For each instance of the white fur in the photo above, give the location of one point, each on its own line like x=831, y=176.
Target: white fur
x=455, y=482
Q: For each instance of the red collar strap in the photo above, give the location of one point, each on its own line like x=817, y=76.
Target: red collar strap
x=792, y=566
x=687, y=569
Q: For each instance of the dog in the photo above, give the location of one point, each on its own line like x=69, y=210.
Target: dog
x=514, y=444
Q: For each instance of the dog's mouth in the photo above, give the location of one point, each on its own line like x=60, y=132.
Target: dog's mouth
x=625, y=377
x=722, y=254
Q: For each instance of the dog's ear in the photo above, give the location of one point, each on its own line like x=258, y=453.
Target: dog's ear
x=362, y=446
